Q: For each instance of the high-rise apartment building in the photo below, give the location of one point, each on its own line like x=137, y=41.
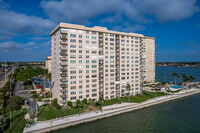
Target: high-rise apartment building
x=96, y=62
x=147, y=59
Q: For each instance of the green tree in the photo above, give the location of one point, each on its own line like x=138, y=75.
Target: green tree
x=15, y=102
x=84, y=101
x=128, y=88
x=69, y=103
x=26, y=75
x=3, y=123
x=55, y=103
x=175, y=75
x=79, y=106
x=100, y=104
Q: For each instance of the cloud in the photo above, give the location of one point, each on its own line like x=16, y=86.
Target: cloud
x=129, y=28
x=166, y=10
x=14, y=24
x=80, y=11
x=189, y=43
x=10, y=46
x=39, y=38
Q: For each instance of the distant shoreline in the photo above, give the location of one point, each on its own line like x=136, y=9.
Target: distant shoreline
x=178, y=66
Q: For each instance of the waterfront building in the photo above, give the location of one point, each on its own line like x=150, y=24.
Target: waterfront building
x=48, y=64
x=96, y=62
x=147, y=59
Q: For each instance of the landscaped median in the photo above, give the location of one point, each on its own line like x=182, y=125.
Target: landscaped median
x=48, y=112
x=55, y=124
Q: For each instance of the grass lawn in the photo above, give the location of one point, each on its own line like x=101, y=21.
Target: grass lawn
x=48, y=112
x=28, y=87
x=18, y=121
x=19, y=127
x=174, y=91
x=134, y=99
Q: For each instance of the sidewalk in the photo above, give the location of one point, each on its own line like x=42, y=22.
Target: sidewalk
x=108, y=111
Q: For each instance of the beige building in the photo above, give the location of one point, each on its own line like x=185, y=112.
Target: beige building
x=94, y=62
x=48, y=64
x=147, y=50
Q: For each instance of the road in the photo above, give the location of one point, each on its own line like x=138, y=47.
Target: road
x=2, y=75
x=31, y=102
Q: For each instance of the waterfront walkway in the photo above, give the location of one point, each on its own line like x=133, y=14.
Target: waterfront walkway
x=45, y=126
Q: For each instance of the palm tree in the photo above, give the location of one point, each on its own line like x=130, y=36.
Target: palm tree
x=79, y=106
x=100, y=104
x=175, y=75
x=183, y=76
x=128, y=88
x=49, y=78
x=191, y=78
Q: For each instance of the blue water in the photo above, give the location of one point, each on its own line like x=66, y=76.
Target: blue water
x=176, y=87
x=178, y=116
x=161, y=72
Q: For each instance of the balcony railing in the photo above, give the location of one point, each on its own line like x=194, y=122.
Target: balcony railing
x=63, y=53
x=63, y=85
x=63, y=42
x=63, y=36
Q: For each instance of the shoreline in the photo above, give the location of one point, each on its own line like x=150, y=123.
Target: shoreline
x=108, y=111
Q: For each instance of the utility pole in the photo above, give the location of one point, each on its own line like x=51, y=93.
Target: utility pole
x=10, y=97
x=5, y=72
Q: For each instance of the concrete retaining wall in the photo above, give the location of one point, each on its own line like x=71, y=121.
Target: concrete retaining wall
x=114, y=112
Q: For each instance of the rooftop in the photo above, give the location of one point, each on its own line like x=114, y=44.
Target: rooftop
x=95, y=28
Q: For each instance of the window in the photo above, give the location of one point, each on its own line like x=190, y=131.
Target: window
x=94, y=37
x=72, y=51
x=73, y=35
x=72, y=61
x=72, y=72
x=72, y=46
x=73, y=40
x=80, y=36
x=72, y=56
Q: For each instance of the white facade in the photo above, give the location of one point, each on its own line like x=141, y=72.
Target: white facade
x=94, y=62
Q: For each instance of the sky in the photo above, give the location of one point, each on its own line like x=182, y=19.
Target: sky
x=25, y=25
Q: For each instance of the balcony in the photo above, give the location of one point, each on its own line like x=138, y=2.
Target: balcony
x=100, y=49
x=64, y=90
x=64, y=74
x=63, y=41
x=63, y=36
x=63, y=48
x=63, y=53
x=63, y=69
x=62, y=58
x=101, y=41
x=63, y=85
x=117, y=70
x=63, y=96
x=100, y=85
x=63, y=80
x=100, y=36
x=100, y=44
x=101, y=75
x=117, y=75
x=64, y=63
